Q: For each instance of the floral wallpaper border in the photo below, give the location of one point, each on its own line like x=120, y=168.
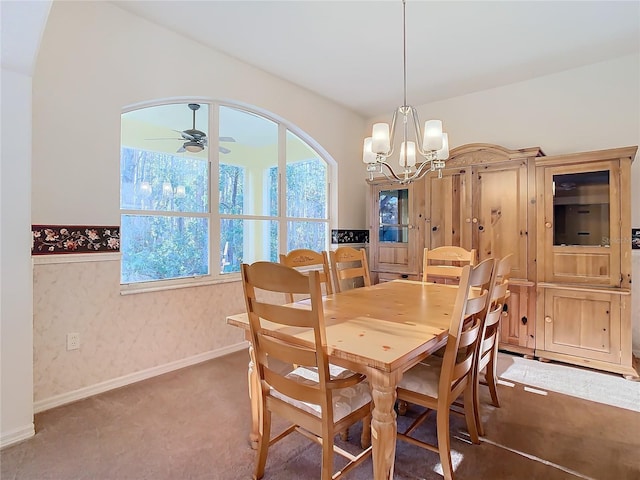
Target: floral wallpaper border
x=349, y=236
x=56, y=239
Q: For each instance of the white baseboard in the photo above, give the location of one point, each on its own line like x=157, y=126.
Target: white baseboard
x=62, y=399
x=17, y=435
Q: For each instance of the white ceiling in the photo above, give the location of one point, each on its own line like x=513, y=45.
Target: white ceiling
x=351, y=51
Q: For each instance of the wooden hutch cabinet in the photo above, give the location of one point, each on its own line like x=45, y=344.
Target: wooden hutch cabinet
x=584, y=259
x=566, y=219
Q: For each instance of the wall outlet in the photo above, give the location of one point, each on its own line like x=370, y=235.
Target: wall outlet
x=73, y=341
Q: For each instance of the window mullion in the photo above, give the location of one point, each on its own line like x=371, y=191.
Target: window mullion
x=282, y=188
x=214, y=196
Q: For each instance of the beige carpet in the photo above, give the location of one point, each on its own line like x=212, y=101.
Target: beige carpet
x=193, y=424
x=596, y=386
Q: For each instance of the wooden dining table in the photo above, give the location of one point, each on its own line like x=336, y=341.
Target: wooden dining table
x=380, y=331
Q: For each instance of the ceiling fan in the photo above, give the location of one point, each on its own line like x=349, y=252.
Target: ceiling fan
x=196, y=140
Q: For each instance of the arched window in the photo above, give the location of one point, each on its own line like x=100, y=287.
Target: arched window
x=194, y=205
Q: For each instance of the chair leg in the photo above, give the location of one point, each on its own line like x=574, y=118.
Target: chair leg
x=444, y=442
x=327, y=457
x=344, y=435
x=475, y=387
x=470, y=414
x=402, y=407
x=491, y=377
x=365, y=438
x=263, y=443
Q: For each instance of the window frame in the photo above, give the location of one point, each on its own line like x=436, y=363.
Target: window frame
x=214, y=216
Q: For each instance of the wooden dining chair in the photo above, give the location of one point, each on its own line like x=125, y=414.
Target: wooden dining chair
x=304, y=259
x=488, y=346
x=317, y=398
x=444, y=264
x=437, y=382
x=348, y=263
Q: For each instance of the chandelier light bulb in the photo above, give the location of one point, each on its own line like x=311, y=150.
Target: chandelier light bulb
x=367, y=153
x=407, y=155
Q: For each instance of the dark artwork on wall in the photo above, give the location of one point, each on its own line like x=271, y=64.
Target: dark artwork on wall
x=53, y=239
x=349, y=236
x=635, y=238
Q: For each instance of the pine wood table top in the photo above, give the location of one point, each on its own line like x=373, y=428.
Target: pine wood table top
x=382, y=326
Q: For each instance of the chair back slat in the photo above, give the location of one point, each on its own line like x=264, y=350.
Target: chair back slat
x=294, y=317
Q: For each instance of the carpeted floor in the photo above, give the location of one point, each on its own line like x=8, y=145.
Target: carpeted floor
x=193, y=424
x=607, y=388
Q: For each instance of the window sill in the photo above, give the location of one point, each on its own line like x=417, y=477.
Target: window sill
x=133, y=289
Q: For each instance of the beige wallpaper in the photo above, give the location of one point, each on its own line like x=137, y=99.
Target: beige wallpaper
x=120, y=335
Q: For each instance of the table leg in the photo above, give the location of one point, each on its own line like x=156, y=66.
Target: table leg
x=254, y=398
x=383, y=423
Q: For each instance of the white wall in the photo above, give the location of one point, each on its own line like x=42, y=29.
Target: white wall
x=16, y=345
x=590, y=108
x=21, y=30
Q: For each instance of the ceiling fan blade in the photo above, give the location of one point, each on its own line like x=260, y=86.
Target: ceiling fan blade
x=227, y=139
x=181, y=150
x=163, y=138
x=224, y=150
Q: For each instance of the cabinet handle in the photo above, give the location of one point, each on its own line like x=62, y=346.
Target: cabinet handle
x=480, y=227
x=434, y=229
x=475, y=220
x=524, y=320
x=547, y=319
x=404, y=275
x=468, y=220
x=548, y=224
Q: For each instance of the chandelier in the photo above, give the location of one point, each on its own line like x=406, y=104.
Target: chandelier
x=432, y=144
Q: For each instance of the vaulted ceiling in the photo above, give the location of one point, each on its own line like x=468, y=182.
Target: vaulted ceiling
x=352, y=51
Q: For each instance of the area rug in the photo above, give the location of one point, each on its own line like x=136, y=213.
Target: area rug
x=593, y=385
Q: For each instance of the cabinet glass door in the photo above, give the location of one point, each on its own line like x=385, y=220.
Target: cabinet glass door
x=580, y=213
x=394, y=215
x=581, y=208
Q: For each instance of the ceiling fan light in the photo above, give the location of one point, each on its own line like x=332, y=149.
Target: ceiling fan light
x=193, y=147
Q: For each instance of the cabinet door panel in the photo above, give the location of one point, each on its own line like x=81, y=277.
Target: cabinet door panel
x=449, y=213
x=584, y=324
x=394, y=255
x=517, y=326
x=500, y=215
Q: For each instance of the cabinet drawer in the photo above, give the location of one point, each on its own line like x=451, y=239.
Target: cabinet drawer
x=387, y=277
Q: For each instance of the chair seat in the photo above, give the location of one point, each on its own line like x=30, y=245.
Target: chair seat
x=345, y=400
x=424, y=377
